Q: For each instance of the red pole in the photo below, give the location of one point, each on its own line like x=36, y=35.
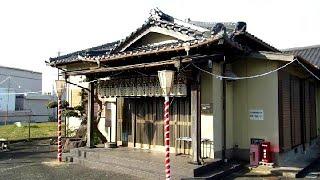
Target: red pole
x=59, y=129
x=167, y=136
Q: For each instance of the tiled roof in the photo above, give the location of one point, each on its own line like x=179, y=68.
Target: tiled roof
x=230, y=26
x=199, y=33
x=72, y=57
x=162, y=20
x=309, y=53
x=175, y=46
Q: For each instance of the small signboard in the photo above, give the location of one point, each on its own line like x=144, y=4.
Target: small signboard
x=256, y=114
x=206, y=108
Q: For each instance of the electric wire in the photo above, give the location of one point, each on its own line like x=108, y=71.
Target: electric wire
x=308, y=70
x=5, y=80
x=244, y=77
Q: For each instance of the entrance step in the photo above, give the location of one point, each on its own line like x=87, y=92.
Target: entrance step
x=143, y=174
x=145, y=163
x=218, y=170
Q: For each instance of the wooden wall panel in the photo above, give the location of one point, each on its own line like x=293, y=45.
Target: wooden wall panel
x=149, y=120
x=306, y=112
x=284, y=111
x=120, y=106
x=313, y=120
x=296, y=125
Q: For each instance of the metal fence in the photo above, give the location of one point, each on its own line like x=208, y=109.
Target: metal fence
x=27, y=126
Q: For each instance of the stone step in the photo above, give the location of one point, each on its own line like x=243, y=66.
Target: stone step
x=141, y=174
x=152, y=167
x=220, y=172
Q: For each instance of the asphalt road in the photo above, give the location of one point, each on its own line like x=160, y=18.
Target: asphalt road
x=37, y=160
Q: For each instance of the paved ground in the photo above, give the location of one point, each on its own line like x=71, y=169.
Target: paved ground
x=313, y=173
x=36, y=160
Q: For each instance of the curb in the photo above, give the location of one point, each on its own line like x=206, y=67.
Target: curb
x=31, y=139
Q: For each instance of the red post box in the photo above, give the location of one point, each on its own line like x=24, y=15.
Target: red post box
x=266, y=152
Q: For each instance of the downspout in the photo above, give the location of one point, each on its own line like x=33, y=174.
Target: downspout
x=224, y=119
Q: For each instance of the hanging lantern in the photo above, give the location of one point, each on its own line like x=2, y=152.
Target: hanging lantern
x=107, y=90
x=139, y=87
x=157, y=88
x=127, y=88
x=145, y=88
x=151, y=86
x=113, y=89
x=132, y=87
x=181, y=87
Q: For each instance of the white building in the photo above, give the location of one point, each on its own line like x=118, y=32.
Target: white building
x=21, y=96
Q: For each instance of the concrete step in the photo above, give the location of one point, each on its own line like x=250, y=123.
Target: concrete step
x=141, y=174
x=104, y=160
x=221, y=171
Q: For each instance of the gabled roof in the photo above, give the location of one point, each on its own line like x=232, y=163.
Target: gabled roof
x=309, y=53
x=167, y=22
x=196, y=32
x=176, y=46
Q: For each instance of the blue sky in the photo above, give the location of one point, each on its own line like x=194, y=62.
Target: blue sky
x=34, y=30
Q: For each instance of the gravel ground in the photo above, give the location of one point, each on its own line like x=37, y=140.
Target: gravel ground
x=37, y=160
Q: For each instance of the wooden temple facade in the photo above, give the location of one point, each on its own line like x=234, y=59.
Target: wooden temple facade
x=205, y=107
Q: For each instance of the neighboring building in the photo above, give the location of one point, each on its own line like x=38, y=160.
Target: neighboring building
x=21, y=96
x=21, y=80
x=309, y=53
x=267, y=95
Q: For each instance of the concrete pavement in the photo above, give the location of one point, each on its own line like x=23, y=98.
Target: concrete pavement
x=37, y=160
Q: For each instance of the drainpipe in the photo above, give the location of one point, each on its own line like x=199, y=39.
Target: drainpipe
x=224, y=119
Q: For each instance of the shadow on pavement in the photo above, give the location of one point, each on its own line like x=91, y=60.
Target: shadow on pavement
x=31, y=150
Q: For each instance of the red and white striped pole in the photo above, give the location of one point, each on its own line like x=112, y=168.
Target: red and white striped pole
x=166, y=78
x=167, y=135
x=59, y=129
x=60, y=86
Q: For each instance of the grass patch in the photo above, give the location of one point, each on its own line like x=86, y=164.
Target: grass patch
x=37, y=130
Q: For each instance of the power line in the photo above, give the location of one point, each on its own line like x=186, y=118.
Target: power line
x=245, y=77
x=5, y=80
x=308, y=70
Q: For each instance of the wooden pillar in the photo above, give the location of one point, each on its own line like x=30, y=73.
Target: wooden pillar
x=90, y=115
x=133, y=121
x=195, y=120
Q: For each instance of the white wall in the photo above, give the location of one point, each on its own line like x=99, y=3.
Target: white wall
x=7, y=99
x=211, y=123
x=20, y=80
x=258, y=93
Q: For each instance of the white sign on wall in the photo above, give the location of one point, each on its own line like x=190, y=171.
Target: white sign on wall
x=256, y=114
